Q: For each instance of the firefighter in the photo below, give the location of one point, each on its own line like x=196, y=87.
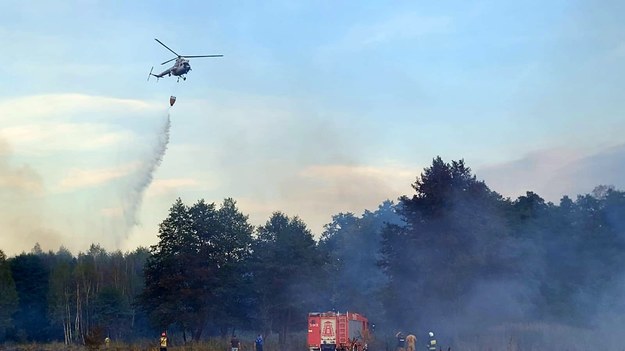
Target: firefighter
x=259, y=343
x=411, y=342
x=432, y=343
x=401, y=341
x=163, y=341
x=235, y=343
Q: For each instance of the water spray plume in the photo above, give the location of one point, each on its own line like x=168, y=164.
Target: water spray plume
x=145, y=173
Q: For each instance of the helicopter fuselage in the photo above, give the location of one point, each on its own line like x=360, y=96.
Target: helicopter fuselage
x=180, y=67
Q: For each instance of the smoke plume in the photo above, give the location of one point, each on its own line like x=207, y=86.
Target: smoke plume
x=145, y=173
x=21, y=195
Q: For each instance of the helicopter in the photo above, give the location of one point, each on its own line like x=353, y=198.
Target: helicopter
x=180, y=68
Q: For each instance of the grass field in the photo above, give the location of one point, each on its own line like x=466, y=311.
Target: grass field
x=294, y=342
x=511, y=337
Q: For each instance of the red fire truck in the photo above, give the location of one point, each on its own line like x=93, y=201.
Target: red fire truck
x=330, y=331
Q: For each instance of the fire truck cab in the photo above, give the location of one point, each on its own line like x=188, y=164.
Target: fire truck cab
x=333, y=331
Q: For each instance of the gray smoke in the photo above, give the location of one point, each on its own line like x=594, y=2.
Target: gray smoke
x=143, y=176
x=21, y=196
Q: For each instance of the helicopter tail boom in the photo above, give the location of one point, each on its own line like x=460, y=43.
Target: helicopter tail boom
x=155, y=75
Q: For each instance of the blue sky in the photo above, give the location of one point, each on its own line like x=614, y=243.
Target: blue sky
x=317, y=107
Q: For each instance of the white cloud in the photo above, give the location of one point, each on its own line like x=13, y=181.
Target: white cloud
x=42, y=124
x=47, y=137
x=64, y=106
x=80, y=178
x=166, y=186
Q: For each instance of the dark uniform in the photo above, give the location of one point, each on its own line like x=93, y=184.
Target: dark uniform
x=432, y=343
x=259, y=343
x=234, y=343
x=401, y=342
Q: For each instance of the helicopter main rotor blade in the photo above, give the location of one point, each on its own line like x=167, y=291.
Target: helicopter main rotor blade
x=203, y=56
x=175, y=58
x=167, y=47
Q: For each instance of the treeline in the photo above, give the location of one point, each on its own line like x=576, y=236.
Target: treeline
x=47, y=296
x=453, y=253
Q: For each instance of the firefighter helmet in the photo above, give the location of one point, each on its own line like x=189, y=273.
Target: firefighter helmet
x=431, y=334
x=163, y=334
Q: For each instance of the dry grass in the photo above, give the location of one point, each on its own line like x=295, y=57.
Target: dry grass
x=528, y=337
x=205, y=346
x=296, y=342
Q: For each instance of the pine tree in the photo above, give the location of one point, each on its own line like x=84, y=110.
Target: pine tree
x=166, y=292
x=286, y=266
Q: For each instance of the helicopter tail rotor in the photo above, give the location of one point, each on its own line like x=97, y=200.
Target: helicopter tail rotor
x=150, y=74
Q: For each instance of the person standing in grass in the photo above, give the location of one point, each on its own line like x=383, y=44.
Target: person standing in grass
x=259, y=343
x=432, y=343
x=235, y=343
x=164, y=341
x=401, y=342
x=411, y=342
